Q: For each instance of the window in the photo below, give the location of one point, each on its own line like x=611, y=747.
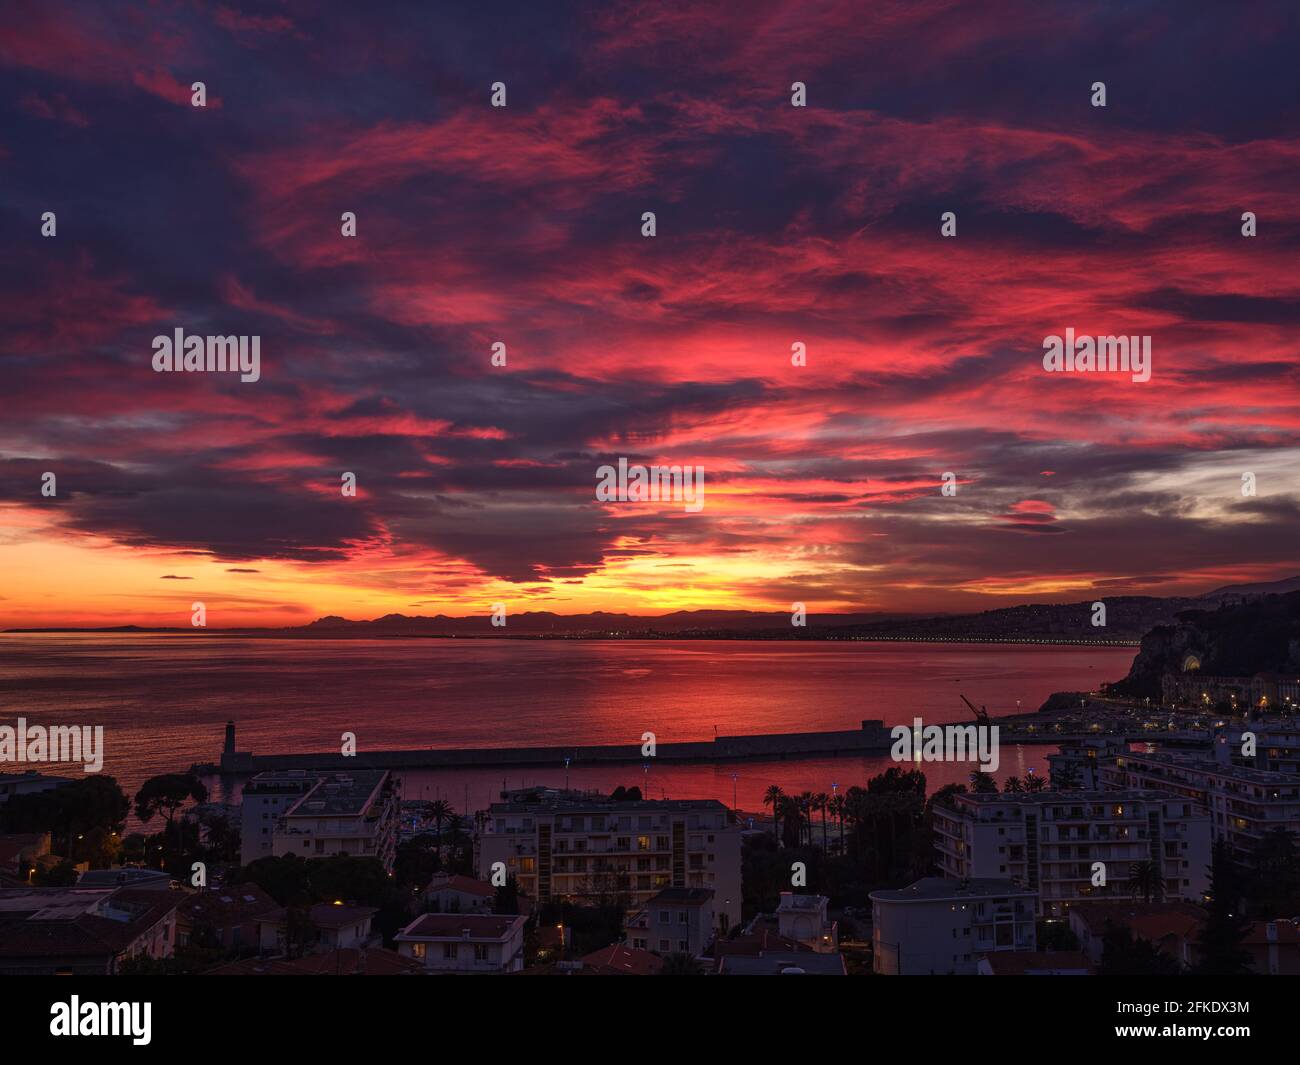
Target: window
x=663, y=946
x=449, y=951
x=480, y=952
x=417, y=950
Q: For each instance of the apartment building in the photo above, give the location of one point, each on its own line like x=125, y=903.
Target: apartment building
x=1078, y=763
x=343, y=813
x=675, y=920
x=78, y=931
x=1050, y=842
x=1244, y=804
x=265, y=799
x=582, y=847
x=465, y=943
x=941, y=926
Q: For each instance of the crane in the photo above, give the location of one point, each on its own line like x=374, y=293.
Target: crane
x=981, y=715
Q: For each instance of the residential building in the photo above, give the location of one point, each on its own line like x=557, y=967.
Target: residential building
x=465, y=943
x=78, y=931
x=1035, y=963
x=223, y=917
x=943, y=926
x=264, y=800
x=582, y=847
x=1244, y=804
x=343, y=813
x=1274, y=947
x=674, y=920
x=1171, y=927
x=448, y=893
x=28, y=782
x=1068, y=846
x=350, y=961
x=333, y=926
x=783, y=963
x=803, y=919
x=133, y=876
x=1077, y=765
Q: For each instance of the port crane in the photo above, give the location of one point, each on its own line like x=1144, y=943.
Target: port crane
x=981, y=715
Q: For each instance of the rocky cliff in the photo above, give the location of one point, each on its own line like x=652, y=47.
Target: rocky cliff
x=1261, y=636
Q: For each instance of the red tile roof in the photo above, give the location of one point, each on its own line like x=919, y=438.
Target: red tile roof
x=618, y=960
x=464, y=884
x=453, y=925
x=372, y=961
x=1031, y=962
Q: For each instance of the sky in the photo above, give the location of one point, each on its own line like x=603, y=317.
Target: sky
x=775, y=225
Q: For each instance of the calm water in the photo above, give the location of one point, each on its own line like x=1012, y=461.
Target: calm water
x=164, y=700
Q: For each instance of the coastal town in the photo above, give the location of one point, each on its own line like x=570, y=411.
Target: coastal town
x=1161, y=841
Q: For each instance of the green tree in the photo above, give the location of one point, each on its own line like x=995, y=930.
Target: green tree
x=507, y=897
x=679, y=963
x=982, y=784
x=1123, y=955
x=1144, y=877
x=775, y=797
x=1226, y=926
x=166, y=794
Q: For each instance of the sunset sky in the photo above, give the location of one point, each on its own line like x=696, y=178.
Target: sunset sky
x=775, y=225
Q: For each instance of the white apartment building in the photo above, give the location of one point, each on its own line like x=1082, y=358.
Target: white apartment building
x=580, y=847
x=265, y=798
x=465, y=943
x=674, y=920
x=939, y=926
x=803, y=919
x=343, y=813
x=1244, y=804
x=1050, y=841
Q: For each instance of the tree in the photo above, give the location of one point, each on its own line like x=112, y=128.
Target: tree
x=1012, y=786
x=166, y=794
x=1066, y=776
x=1226, y=926
x=1122, y=955
x=679, y=963
x=1274, y=890
x=84, y=818
x=507, y=897
x=1144, y=877
x=821, y=800
x=438, y=811
x=774, y=797
x=982, y=784
x=1034, y=783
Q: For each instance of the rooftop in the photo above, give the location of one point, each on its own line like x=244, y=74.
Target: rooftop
x=939, y=889
x=607, y=806
x=680, y=896
x=1038, y=963
x=463, y=926
x=339, y=795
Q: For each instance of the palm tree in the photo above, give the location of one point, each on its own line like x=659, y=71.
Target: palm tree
x=837, y=805
x=774, y=797
x=1145, y=877
x=439, y=811
x=1035, y=783
x=1012, y=785
x=821, y=799
x=807, y=801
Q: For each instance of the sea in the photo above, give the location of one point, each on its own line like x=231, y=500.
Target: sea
x=164, y=700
